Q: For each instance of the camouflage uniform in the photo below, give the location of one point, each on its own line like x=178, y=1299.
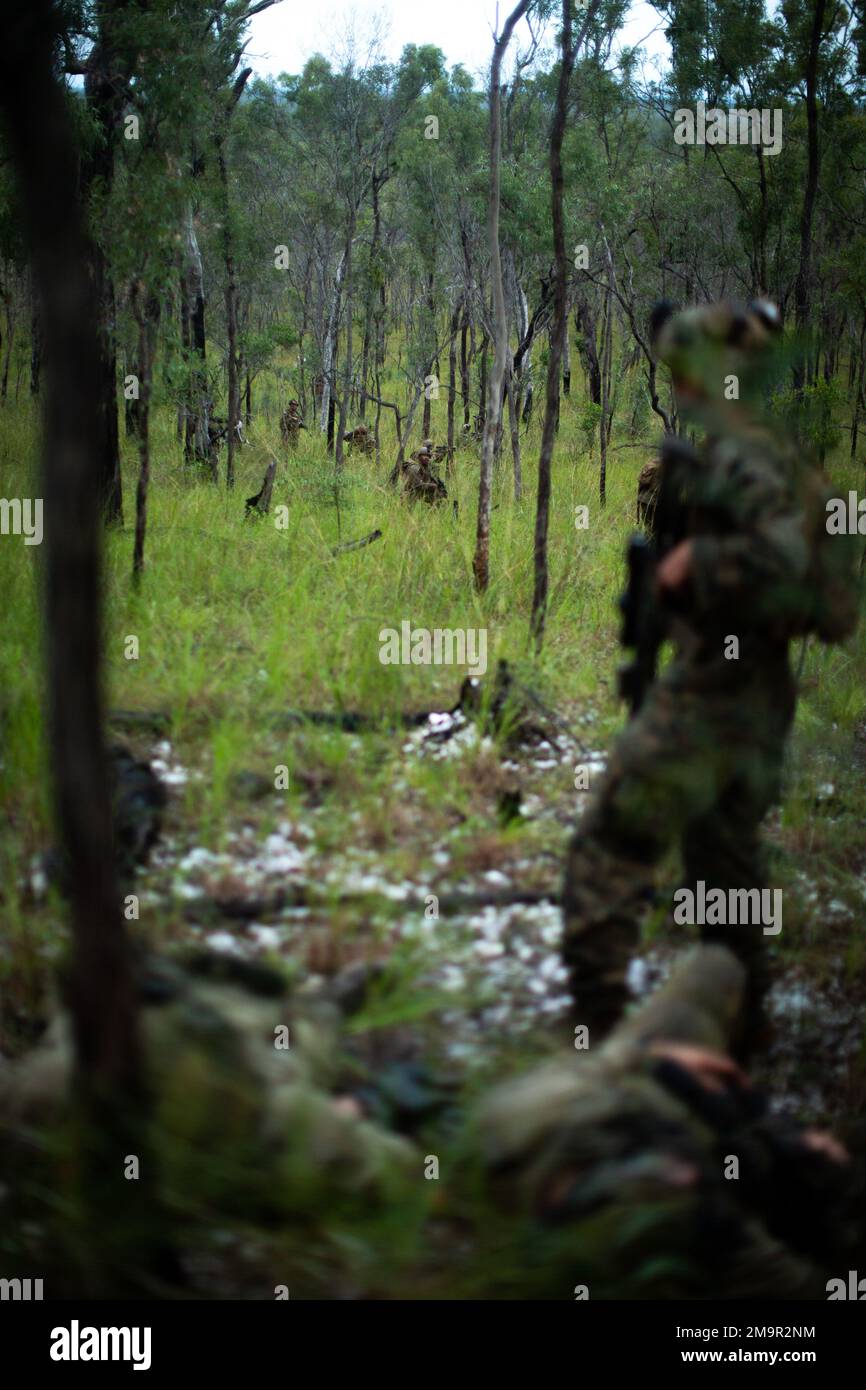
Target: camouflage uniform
x=248, y=1111
x=291, y=424
x=420, y=483
x=702, y=760
x=647, y=491
x=614, y=1166
x=360, y=439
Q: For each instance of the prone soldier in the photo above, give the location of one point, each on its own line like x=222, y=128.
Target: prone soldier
x=649, y=1167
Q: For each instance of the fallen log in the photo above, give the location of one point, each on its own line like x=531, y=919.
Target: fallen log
x=259, y=908
x=357, y=545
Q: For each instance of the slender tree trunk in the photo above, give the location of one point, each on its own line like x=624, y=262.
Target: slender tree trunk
x=514, y=425
x=566, y=362
x=347, y=367
x=803, y=286
x=110, y=1089
x=329, y=353
x=197, y=443
x=482, y=382
x=557, y=332
x=603, y=421
x=104, y=94
x=859, y=402
x=452, y=383
x=481, y=562
x=431, y=328
x=146, y=311
x=35, y=344
x=464, y=372
x=231, y=298
x=10, y=343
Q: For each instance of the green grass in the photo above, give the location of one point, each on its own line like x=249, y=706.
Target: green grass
x=238, y=621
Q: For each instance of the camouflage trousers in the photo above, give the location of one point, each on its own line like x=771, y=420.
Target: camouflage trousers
x=699, y=765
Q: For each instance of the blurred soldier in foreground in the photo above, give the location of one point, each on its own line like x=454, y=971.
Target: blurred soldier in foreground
x=649, y=1168
x=743, y=564
x=252, y=1116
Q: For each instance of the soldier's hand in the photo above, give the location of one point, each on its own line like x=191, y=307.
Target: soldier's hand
x=713, y=1070
x=675, y=568
x=821, y=1142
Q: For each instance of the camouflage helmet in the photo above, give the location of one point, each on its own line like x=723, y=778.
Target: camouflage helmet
x=705, y=344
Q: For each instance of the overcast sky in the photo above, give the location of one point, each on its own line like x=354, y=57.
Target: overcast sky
x=284, y=37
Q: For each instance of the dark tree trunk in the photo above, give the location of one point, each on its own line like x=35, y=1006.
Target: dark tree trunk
x=348, y=262
x=231, y=298
x=35, y=343
x=197, y=406
x=492, y=425
x=464, y=372
x=803, y=286
x=557, y=332
x=104, y=87
x=123, y=1235
x=10, y=343
x=452, y=383
x=482, y=382
x=431, y=329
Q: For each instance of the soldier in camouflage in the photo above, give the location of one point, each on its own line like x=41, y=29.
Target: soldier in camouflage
x=360, y=440
x=649, y=1167
x=252, y=1106
x=291, y=424
x=702, y=760
x=647, y=492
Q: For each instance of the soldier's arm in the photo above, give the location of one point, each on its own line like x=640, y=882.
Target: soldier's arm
x=762, y=563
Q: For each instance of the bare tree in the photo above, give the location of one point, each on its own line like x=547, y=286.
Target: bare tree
x=481, y=563
x=557, y=329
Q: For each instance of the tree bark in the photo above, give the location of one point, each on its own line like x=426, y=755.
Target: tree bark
x=557, y=332
x=803, y=287
x=123, y=1236
x=481, y=562
x=104, y=90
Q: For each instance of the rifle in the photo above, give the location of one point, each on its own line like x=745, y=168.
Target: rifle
x=642, y=628
x=644, y=622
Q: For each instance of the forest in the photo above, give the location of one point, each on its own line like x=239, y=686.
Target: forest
x=329, y=402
